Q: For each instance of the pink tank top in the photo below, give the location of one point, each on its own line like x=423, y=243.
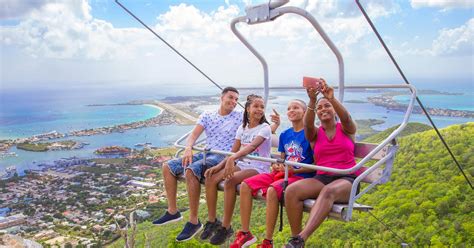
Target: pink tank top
x=336, y=153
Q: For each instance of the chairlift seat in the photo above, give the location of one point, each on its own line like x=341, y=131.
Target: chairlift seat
x=339, y=210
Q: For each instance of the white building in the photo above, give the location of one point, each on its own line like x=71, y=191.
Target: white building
x=140, y=184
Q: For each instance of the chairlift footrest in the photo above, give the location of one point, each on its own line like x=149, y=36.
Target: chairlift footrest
x=338, y=211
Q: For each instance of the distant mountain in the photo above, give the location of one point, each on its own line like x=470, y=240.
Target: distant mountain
x=427, y=202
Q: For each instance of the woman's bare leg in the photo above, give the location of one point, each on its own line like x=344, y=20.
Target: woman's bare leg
x=229, y=193
x=245, y=206
x=339, y=191
x=295, y=194
x=271, y=213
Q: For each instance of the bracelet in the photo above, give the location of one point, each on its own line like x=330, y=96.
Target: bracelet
x=311, y=108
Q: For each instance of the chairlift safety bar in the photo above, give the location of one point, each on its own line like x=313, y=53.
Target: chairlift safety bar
x=391, y=137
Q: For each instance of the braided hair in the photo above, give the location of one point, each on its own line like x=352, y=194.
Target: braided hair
x=250, y=99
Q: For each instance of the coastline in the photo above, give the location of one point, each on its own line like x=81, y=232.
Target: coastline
x=388, y=101
x=168, y=115
x=176, y=113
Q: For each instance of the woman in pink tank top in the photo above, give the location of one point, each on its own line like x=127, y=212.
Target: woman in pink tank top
x=334, y=148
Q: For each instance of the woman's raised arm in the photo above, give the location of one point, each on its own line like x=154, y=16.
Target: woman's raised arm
x=348, y=125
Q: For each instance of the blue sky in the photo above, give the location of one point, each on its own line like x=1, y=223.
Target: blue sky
x=77, y=42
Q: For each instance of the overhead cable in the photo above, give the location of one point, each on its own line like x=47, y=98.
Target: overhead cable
x=170, y=46
x=417, y=99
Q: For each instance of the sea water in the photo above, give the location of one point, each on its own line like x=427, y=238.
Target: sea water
x=28, y=112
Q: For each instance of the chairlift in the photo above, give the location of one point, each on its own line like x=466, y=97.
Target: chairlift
x=383, y=154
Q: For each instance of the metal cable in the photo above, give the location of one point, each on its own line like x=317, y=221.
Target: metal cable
x=388, y=228
x=172, y=48
x=417, y=99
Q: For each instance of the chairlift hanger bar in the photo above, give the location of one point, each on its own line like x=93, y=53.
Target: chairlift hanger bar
x=417, y=99
x=172, y=48
x=268, y=12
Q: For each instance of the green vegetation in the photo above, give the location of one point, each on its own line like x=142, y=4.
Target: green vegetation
x=364, y=126
x=33, y=147
x=42, y=147
x=427, y=203
x=170, y=151
x=411, y=128
x=117, y=161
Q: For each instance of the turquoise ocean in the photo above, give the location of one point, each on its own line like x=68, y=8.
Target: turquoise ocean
x=24, y=113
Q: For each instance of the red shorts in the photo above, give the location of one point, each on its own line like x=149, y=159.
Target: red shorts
x=265, y=180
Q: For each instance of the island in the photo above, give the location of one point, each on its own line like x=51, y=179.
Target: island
x=113, y=150
x=50, y=146
x=388, y=102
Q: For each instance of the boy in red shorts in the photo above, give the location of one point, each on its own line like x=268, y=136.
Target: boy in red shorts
x=293, y=147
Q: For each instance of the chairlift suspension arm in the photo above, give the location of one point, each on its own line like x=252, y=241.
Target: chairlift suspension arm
x=264, y=13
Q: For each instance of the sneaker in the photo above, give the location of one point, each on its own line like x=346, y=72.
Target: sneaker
x=189, y=231
x=243, y=239
x=168, y=218
x=266, y=244
x=210, y=228
x=221, y=235
x=295, y=242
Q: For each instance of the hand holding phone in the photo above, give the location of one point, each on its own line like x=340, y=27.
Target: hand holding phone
x=310, y=82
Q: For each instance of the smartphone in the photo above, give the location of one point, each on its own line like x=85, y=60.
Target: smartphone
x=310, y=82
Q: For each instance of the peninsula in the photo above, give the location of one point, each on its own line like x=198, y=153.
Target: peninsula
x=388, y=102
x=171, y=113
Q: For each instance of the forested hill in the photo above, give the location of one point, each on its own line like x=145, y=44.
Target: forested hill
x=427, y=202
x=411, y=128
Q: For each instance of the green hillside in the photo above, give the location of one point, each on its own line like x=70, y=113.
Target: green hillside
x=411, y=128
x=427, y=203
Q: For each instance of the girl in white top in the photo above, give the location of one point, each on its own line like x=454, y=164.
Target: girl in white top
x=252, y=138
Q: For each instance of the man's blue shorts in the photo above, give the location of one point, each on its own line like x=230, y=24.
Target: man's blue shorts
x=198, y=167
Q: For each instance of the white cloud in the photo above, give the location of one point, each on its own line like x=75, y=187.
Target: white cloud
x=67, y=30
x=443, y=4
x=186, y=25
x=14, y=9
x=456, y=41
x=191, y=29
